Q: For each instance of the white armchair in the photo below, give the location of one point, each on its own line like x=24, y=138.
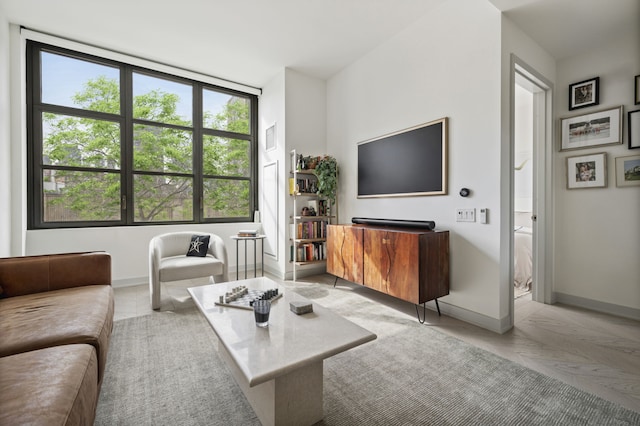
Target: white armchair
x=168, y=261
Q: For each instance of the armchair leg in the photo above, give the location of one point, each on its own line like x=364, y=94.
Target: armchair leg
x=154, y=291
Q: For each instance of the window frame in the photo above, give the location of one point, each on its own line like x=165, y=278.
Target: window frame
x=36, y=108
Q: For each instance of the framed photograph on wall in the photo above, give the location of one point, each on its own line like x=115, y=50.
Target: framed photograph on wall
x=628, y=171
x=637, y=91
x=593, y=129
x=584, y=94
x=270, y=138
x=587, y=171
x=633, y=123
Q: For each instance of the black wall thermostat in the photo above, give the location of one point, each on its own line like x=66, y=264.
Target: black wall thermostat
x=464, y=192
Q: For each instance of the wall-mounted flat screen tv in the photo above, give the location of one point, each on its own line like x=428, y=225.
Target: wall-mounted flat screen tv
x=409, y=162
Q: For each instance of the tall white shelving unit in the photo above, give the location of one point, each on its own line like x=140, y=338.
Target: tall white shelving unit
x=308, y=233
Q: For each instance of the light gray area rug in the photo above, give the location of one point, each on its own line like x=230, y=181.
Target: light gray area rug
x=163, y=369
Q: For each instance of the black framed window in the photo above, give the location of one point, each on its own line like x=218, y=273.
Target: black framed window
x=114, y=144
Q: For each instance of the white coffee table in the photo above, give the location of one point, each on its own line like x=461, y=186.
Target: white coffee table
x=279, y=368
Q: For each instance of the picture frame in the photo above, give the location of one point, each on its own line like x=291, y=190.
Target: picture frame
x=270, y=138
x=594, y=129
x=587, y=171
x=628, y=171
x=633, y=125
x=637, y=90
x=584, y=93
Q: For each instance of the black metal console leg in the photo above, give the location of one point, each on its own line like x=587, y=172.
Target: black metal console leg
x=335, y=282
x=424, y=313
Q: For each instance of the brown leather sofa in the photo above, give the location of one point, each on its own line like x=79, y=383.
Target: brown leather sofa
x=56, y=318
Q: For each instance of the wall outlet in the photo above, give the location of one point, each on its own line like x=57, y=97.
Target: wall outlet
x=465, y=215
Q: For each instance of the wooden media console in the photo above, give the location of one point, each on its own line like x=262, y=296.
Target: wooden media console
x=411, y=264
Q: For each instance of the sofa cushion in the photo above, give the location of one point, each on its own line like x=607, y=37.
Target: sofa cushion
x=52, y=386
x=198, y=246
x=60, y=317
x=178, y=268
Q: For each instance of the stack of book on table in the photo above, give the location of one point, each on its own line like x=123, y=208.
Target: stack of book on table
x=247, y=233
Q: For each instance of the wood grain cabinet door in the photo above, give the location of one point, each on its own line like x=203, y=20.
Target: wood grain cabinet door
x=391, y=263
x=344, y=252
x=434, y=265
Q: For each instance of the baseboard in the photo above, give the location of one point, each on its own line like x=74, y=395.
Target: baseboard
x=306, y=272
x=595, y=305
x=129, y=282
x=492, y=324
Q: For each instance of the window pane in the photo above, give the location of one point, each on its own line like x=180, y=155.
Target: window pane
x=222, y=111
x=164, y=101
x=225, y=198
x=80, y=142
x=80, y=84
x=226, y=157
x=162, y=198
x=158, y=149
x=80, y=196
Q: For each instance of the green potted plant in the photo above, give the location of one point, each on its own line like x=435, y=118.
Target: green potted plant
x=327, y=173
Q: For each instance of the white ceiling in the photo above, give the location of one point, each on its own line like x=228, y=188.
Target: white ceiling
x=250, y=41
x=568, y=27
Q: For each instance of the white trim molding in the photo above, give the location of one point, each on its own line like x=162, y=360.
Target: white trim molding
x=28, y=34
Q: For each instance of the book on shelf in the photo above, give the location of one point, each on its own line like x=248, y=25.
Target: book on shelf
x=247, y=233
x=308, y=252
x=311, y=230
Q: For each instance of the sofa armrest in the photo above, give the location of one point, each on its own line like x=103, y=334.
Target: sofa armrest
x=35, y=274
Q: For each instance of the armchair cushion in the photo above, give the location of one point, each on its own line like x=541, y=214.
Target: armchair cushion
x=198, y=246
x=178, y=268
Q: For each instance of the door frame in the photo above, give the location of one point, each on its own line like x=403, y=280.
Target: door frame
x=542, y=227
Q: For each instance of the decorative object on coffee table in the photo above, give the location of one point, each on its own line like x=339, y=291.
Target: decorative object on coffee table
x=299, y=307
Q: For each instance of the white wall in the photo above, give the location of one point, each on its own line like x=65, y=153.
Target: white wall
x=128, y=246
x=272, y=111
x=597, y=230
x=445, y=65
x=298, y=103
x=5, y=147
x=305, y=103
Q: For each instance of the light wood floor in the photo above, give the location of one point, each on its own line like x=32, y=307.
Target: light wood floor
x=595, y=352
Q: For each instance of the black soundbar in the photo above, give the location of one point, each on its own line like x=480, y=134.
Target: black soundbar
x=428, y=224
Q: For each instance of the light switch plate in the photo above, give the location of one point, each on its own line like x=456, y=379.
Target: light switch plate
x=465, y=215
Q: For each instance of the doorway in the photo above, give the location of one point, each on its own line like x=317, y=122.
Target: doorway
x=532, y=178
x=523, y=189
